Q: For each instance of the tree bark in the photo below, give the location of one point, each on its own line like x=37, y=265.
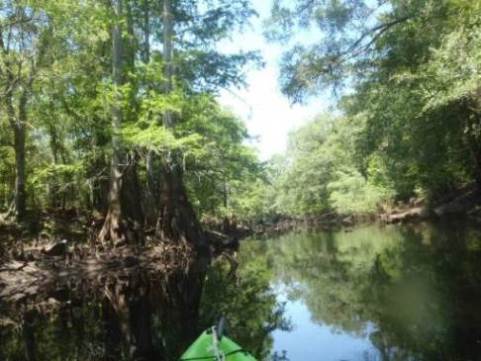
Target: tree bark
x=20, y=174
x=124, y=221
x=146, y=47
x=54, y=191
x=152, y=168
x=19, y=140
x=19, y=136
x=177, y=220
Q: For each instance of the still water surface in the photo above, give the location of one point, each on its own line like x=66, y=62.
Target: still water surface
x=378, y=293
x=371, y=293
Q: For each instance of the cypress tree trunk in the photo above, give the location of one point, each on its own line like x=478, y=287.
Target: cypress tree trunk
x=20, y=175
x=124, y=221
x=54, y=191
x=19, y=139
x=177, y=220
x=153, y=172
x=19, y=135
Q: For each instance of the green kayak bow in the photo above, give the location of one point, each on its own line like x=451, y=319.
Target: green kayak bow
x=211, y=346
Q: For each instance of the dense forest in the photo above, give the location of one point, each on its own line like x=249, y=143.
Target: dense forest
x=406, y=76
x=126, y=185
x=109, y=110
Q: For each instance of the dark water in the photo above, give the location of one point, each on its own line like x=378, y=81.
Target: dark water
x=373, y=293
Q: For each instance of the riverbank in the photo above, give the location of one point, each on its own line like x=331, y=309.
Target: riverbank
x=464, y=203
x=57, y=249
x=38, y=271
x=461, y=203
x=79, y=228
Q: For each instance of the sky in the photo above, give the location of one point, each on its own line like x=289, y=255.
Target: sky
x=261, y=105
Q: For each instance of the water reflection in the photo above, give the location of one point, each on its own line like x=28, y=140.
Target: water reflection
x=247, y=300
x=376, y=293
x=413, y=292
x=129, y=319
x=140, y=317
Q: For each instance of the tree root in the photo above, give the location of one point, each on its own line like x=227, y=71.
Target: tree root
x=49, y=274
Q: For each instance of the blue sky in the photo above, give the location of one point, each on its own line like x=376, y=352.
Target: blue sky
x=265, y=110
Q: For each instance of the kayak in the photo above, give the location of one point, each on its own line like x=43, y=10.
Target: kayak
x=210, y=346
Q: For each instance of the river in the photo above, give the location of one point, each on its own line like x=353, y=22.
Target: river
x=368, y=293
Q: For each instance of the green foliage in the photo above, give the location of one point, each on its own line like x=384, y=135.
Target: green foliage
x=160, y=139
x=413, y=69
x=322, y=173
x=53, y=181
x=350, y=192
x=220, y=165
x=66, y=52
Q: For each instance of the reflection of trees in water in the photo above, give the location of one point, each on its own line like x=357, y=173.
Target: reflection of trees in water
x=248, y=303
x=420, y=286
x=135, y=318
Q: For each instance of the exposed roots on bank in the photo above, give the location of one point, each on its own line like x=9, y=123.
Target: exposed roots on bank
x=39, y=274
